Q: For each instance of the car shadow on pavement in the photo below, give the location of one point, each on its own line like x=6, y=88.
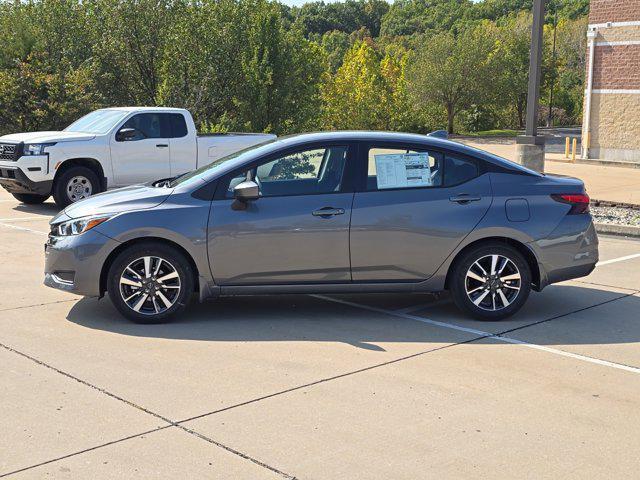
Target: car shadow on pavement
x=307, y=318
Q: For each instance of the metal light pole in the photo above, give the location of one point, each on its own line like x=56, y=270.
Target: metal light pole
x=530, y=147
x=553, y=66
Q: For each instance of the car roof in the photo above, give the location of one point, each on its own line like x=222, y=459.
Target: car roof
x=301, y=140
x=400, y=137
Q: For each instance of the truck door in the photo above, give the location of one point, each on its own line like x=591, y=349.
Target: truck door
x=141, y=155
x=183, y=146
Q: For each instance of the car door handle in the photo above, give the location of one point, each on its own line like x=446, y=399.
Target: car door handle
x=162, y=145
x=327, y=212
x=464, y=198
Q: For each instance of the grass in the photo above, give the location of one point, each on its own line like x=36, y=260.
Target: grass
x=493, y=133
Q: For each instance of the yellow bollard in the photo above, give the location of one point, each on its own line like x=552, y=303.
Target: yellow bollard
x=573, y=150
x=566, y=147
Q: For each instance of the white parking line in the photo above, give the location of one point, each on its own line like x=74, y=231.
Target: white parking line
x=619, y=259
x=482, y=333
x=24, y=229
x=19, y=219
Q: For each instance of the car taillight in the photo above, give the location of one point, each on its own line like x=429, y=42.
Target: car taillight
x=579, y=202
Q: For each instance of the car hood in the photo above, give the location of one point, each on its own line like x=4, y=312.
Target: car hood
x=46, y=137
x=135, y=197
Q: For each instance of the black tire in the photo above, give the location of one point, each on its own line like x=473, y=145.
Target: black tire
x=175, y=259
x=458, y=282
x=30, y=198
x=61, y=184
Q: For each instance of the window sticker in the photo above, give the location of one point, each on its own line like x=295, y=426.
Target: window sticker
x=401, y=170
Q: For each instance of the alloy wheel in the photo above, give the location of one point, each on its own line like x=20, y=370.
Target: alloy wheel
x=493, y=282
x=150, y=285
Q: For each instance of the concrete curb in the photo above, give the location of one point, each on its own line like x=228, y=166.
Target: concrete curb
x=594, y=161
x=611, y=229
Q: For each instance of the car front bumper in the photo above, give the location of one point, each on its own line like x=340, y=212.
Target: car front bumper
x=74, y=263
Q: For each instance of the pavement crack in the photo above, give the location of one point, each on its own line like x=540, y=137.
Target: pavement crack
x=235, y=452
x=38, y=305
x=80, y=452
x=500, y=334
x=87, y=384
x=170, y=422
x=328, y=379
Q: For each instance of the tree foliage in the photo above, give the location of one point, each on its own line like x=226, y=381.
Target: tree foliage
x=259, y=65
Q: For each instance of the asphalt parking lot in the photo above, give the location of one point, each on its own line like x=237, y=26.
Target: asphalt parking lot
x=317, y=387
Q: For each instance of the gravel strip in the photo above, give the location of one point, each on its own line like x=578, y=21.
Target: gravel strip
x=616, y=215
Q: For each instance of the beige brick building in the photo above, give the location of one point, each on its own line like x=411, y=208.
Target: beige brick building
x=611, y=120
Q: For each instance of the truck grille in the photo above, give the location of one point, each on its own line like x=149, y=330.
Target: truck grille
x=9, y=151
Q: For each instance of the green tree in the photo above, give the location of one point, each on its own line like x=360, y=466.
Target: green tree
x=453, y=72
x=356, y=97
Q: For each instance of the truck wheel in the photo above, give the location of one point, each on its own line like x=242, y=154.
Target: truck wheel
x=75, y=184
x=30, y=198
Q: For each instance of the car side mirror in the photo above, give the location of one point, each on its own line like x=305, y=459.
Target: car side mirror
x=246, y=191
x=125, y=134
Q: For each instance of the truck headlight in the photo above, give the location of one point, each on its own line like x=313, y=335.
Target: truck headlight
x=77, y=226
x=36, y=148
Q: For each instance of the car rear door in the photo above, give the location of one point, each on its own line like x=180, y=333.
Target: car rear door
x=296, y=232
x=413, y=206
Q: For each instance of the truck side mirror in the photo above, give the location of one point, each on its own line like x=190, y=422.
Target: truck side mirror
x=126, y=134
x=246, y=191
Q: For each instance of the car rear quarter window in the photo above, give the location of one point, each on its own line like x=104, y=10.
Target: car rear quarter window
x=459, y=170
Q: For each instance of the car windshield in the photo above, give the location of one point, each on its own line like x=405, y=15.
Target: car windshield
x=239, y=156
x=100, y=121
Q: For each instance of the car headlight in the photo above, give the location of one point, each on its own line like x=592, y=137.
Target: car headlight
x=36, y=148
x=77, y=226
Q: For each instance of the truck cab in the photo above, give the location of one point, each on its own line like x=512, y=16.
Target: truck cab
x=110, y=148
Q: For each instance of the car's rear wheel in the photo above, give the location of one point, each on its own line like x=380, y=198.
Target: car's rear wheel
x=150, y=282
x=30, y=198
x=491, y=281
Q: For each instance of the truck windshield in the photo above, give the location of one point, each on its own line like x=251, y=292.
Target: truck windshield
x=100, y=121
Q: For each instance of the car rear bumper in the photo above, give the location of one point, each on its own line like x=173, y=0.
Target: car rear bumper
x=74, y=263
x=570, y=251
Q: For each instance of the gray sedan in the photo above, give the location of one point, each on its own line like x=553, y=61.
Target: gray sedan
x=333, y=212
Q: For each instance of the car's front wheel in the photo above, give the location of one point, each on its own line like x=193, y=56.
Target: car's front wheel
x=491, y=281
x=150, y=282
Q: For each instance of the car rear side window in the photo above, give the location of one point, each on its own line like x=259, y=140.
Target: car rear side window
x=177, y=125
x=397, y=167
x=459, y=170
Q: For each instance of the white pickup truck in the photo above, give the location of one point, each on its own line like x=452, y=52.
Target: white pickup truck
x=108, y=148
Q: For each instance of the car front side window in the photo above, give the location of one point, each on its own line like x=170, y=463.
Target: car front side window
x=307, y=172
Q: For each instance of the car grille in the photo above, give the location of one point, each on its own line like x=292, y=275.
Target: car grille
x=9, y=151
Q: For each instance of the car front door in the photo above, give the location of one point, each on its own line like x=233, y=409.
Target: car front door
x=296, y=232
x=142, y=155
x=412, y=209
